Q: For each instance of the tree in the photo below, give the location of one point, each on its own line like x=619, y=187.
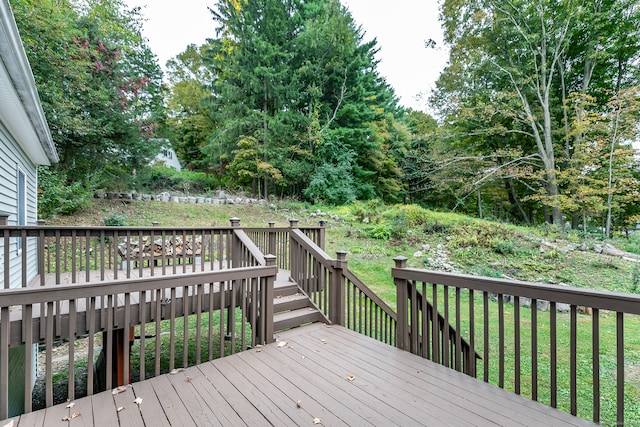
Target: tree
x=99, y=83
x=527, y=59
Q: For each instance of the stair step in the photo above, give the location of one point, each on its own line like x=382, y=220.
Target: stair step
x=290, y=302
x=295, y=318
x=281, y=290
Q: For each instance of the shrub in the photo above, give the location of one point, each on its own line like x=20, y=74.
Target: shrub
x=114, y=219
x=57, y=196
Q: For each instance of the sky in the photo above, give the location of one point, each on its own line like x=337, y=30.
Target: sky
x=401, y=31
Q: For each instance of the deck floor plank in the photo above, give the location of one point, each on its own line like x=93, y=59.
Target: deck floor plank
x=84, y=407
x=353, y=400
x=207, y=393
x=172, y=405
x=392, y=379
x=130, y=414
x=104, y=409
x=55, y=414
x=261, y=386
x=257, y=388
x=32, y=419
x=150, y=409
x=398, y=401
x=313, y=390
x=201, y=413
x=244, y=408
x=291, y=394
x=448, y=379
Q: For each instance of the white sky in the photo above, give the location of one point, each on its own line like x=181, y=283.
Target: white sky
x=401, y=31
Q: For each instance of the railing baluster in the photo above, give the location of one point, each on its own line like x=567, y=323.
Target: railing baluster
x=553, y=361
x=472, y=335
x=573, y=360
x=172, y=329
x=435, y=330
x=620, y=368
x=185, y=327
x=595, y=354
x=534, y=349
x=445, y=329
x=142, y=313
x=28, y=354
x=485, y=356
x=71, y=394
x=500, y=340
x=516, y=344
x=91, y=342
x=4, y=361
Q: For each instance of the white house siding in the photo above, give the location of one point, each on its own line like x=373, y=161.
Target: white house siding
x=12, y=158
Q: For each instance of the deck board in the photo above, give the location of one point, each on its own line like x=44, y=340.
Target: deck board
x=262, y=386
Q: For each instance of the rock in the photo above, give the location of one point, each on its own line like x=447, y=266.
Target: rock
x=543, y=305
x=597, y=248
x=563, y=308
x=426, y=247
x=417, y=254
x=583, y=247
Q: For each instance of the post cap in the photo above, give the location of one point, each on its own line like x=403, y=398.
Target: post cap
x=401, y=261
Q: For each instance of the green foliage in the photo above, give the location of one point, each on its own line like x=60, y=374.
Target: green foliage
x=115, y=219
x=100, y=85
x=331, y=184
x=161, y=178
x=57, y=196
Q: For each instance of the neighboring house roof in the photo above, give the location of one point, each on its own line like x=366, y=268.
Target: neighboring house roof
x=20, y=108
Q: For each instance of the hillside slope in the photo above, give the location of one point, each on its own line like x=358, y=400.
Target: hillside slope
x=374, y=234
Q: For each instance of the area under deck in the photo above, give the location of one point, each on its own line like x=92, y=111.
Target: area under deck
x=323, y=374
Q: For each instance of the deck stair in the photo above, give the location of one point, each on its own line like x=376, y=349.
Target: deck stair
x=292, y=307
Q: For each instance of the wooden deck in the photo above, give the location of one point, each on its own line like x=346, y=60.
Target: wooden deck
x=324, y=375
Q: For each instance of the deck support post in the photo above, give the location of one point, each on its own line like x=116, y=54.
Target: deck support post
x=402, y=299
x=336, y=290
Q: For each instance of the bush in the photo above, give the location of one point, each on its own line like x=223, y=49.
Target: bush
x=161, y=178
x=114, y=219
x=56, y=196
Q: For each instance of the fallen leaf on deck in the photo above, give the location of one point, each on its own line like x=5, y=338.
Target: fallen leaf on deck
x=351, y=377
x=120, y=408
x=69, y=418
x=70, y=405
x=138, y=400
x=188, y=378
x=282, y=344
x=175, y=371
x=118, y=390
x=289, y=346
x=299, y=404
x=303, y=357
x=258, y=350
x=324, y=341
x=317, y=421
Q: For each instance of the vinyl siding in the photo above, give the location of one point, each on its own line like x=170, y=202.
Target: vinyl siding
x=11, y=158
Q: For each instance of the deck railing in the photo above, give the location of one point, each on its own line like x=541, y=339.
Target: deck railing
x=90, y=254
x=232, y=305
x=572, y=349
x=337, y=292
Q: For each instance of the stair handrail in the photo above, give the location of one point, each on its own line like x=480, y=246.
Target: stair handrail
x=338, y=292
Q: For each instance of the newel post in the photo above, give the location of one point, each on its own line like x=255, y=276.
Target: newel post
x=336, y=291
x=402, y=303
x=321, y=236
x=236, y=249
x=271, y=248
x=295, y=256
x=267, y=301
